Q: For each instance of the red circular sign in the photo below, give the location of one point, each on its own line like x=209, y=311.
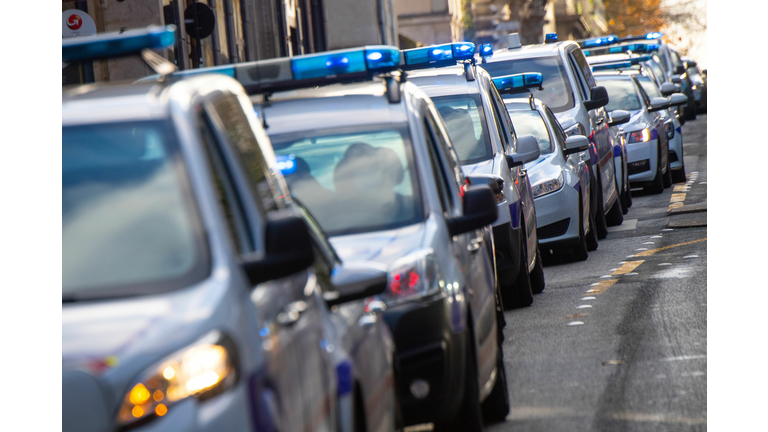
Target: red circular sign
x=74, y=22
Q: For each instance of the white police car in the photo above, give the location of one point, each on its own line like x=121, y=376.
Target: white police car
x=570, y=91
x=646, y=132
x=183, y=305
x=369, y=156
x=561, y=181
x=487, y=145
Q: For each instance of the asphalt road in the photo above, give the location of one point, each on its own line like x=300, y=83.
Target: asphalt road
x=631, y=354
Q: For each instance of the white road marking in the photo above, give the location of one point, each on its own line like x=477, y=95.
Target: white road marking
x=588, y=298
x=665, y=264
x=657, y=236
x=583, y=306
x=685, y=357
x=575, y=323
x=691, y=256
x=641, y=249
x=649, y=243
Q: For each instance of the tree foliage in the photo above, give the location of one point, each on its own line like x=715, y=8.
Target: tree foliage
x=632, y=17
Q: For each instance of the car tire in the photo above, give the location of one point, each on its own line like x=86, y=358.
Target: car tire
x=496, y=406
x=580, y=251
x=678, y=176
x=690, y=110
x=625, y=194
x=537, y=275
x=359, y=422
x=657, y=185
x=469, y=416
x=667, y=178
x=615, y=215
x=591, y=236
x=600, y=223
x=521, y=294
x=627, y=197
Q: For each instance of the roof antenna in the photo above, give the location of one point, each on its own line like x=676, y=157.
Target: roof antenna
x=469, y=71
x=264, y=103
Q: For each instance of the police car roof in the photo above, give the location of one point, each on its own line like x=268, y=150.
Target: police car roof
x=607, y=58
x=145, y=100
x=334, y=106
x=622, y=74
x=529, y=51
x=445, y=81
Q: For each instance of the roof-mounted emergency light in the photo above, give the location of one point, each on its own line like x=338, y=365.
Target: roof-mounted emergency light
x=518, y=83
x=116, y=44
x=550, y=38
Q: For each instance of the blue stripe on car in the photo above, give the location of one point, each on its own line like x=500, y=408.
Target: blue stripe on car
x=514, y=214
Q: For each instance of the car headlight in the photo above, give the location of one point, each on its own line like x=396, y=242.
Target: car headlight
x=203, y=369
x=639, y=136
x=576, y=129
x=414, y=275
x=548, y=186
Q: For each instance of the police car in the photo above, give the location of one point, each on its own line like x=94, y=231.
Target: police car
x=487, y=145
x=561, y=180
x=570, y=91
x=370, y=158
x=646, y=132
x=183, y=305
x=647, y=80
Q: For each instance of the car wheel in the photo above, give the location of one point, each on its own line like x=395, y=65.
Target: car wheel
x=537, y=275
x=657, y=185
x=627, y=198
x=496, y=405
x=690, y=110
x=678, y=176
x=667, y=178
x=625, y=195
x=359, y=413
x=615, y=215
x=521, y=294
x=469, y=417
x=591, y=236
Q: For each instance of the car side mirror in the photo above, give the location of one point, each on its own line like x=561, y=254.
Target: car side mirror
x=494, y=182
x=668, y=88
x=356, y=281
x=576, y=144
x=677, y=99
x=658, y=104
x=288, y=249
x=599, y=98
x=680, y=69
x=527, y=150
x=479, y=210
x=676, y=79
x=617, y=117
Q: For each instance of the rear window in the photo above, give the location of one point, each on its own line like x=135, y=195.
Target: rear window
x=556, y=93
x=129, y=222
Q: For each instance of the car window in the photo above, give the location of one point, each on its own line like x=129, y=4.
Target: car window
x=529, y=122
x=449, y=161
x=229, y=112
x=649, y=87
x=465, y=120
x=506, y=131
x=621, y=95
x=584, y=68
x=643, y=94
x=441, y=180
x=555, y=127
x=130, y=223
x=352, y=180
x=556, y=89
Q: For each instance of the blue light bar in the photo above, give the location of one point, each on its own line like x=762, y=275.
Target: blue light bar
x=599, y=41
x=647, y=36
x=611, y=66
x=518, y=82
x=286, y=164
x=486, y=50
x=439, y=54
x=654, y=35
x=637, y=60
x=640, y=48
x=116, y=44
x=550, y=38
x=324, y=64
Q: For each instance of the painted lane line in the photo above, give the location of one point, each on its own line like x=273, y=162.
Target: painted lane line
x=583, y=306
x=685, y=357
x=595, y=284
x=680, y=188
x=653, y=251
x=613, y=270
x=703, y=183
x=657, y=236
x=649, y=243
x=677, y=197
x=627, y=267
x=641, y=249
x=575, y=323
x=604, y=285
x=674, y=206
x=691, y=256
x=631, y=274
x=630, y=256
x=605, y=276
x=665, y=264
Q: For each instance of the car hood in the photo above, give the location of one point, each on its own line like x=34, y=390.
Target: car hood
x=636, y=122
x=546, y=167
x=381, y=246
x=112, y=335
x=484, y=167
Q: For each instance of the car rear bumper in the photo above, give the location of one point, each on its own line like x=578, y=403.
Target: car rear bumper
x=427, y=350
x=639, y=152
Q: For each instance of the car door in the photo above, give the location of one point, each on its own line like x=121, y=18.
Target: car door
x=470, y=249
x=520, y=180
x=290, y=323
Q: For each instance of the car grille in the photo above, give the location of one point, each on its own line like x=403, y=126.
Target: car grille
x=639, y=166
x=554, y=229
x=672, y=156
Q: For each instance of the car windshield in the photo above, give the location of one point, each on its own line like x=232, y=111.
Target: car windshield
x=649, y=86
x=464, y=117
x=556, y=92
x=529, y=122
x=353, y=180
x=621, y=95
x=129, y=222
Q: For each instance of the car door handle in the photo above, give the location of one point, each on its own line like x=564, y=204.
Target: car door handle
x=475, y=244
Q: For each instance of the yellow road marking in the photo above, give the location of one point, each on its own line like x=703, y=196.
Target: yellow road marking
x=653, y=251
x=627, y=267
x=677, y=197
x=601, y=287
x=681, y=188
